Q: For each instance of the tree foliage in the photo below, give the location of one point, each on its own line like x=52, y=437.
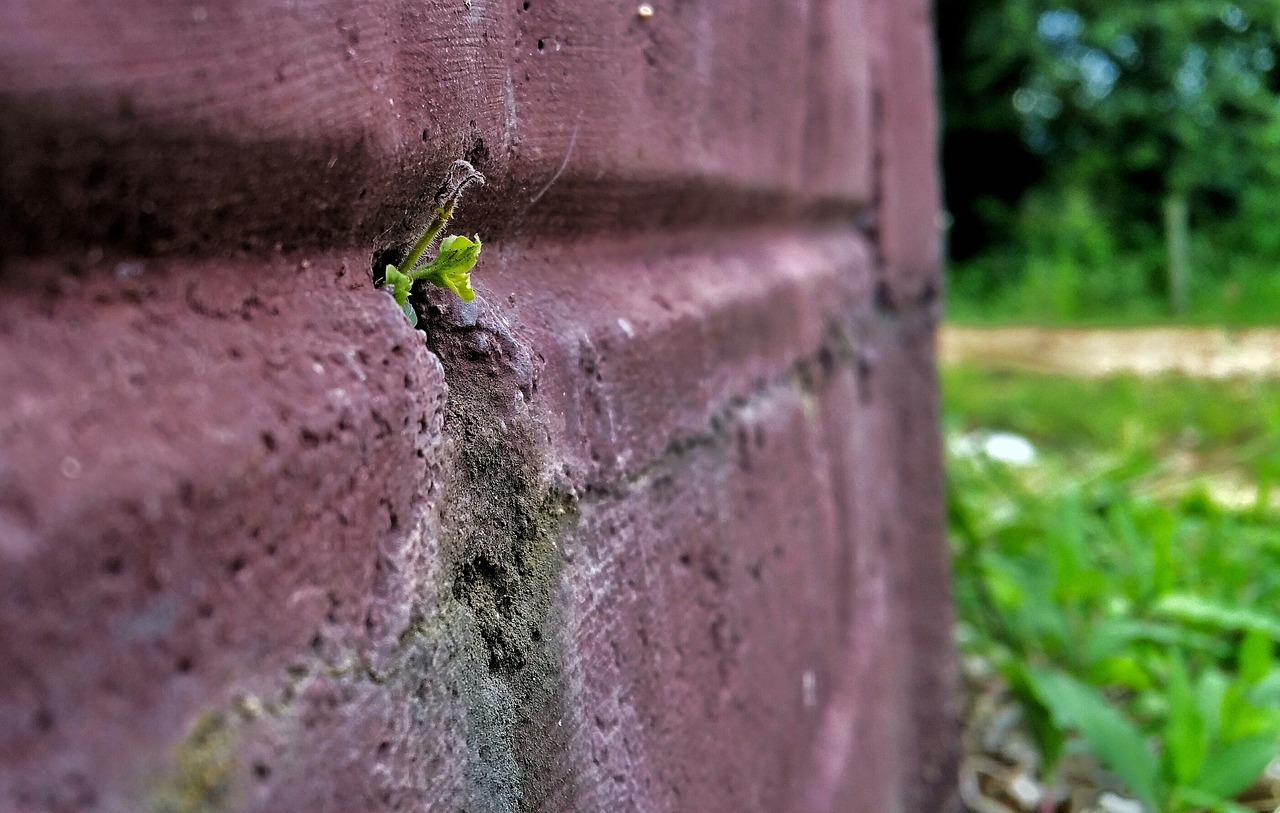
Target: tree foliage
x=1130, y=103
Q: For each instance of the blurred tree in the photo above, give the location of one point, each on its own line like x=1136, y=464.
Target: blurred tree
x=982, y=69
x=1163, y=111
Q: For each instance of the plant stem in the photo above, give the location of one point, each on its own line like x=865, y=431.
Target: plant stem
x=443, y=213
x=433, y=228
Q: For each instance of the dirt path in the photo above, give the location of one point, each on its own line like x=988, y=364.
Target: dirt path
x=1201, y=352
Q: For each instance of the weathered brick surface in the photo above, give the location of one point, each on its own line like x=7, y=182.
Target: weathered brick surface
x=654, y=524
x=908, y=212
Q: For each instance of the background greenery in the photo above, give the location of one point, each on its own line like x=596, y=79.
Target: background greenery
x=1098, y=151
x=1123, y=584
x=1115, y=540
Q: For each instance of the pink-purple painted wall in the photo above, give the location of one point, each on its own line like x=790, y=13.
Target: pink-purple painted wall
x=653, y=524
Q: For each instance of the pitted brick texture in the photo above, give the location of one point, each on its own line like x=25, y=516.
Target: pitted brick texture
x=654, y=524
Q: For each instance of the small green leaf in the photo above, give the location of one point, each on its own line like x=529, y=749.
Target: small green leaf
x=1118, y=743
x=1193, y=609
x=1048, y=733
x=1235, y=766
x=400, y=284
x=452, y=266
x=1185, y=742
x=1240, y=716
x=1211, y=695
x=1254, y=660
x=410, y=313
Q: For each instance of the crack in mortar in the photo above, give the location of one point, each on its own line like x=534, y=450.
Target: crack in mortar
x=488, y=647
x=843, y=345
x=503, y=518
x=493, y=637
x=503, y=521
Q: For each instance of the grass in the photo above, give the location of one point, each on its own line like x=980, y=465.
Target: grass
x=1224, y=424
x=1126, y=598
x=1235, y=293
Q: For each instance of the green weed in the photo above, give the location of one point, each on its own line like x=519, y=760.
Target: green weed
x=1131, y=619
x=451, y=267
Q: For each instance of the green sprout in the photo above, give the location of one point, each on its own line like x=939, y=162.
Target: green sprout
x=451, y=267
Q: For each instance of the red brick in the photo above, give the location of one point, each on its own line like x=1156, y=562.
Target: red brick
x=653, y=524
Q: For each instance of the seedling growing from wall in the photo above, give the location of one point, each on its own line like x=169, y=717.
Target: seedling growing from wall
x=451, y=267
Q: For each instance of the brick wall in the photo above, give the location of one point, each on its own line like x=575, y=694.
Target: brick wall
x=653, y=524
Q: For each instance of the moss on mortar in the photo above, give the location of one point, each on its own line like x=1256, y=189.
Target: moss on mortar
x=503, y=521
x=200, y=780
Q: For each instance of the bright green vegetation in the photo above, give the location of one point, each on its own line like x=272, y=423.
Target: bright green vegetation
x=1131, y=606
x=451, y=267
x=1001, y=289
x=1126, y=583
x=1149, y=421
